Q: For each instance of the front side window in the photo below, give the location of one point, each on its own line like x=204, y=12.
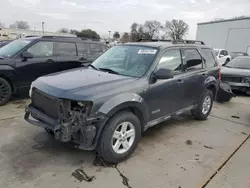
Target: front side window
x=127, y=60
x=65, y=49
x=171, y=59
x=13, y=47
x=41, y=49
x=193, y=59
x=209, y=58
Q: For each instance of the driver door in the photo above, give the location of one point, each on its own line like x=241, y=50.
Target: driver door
x=42, y=62
x=165, y=96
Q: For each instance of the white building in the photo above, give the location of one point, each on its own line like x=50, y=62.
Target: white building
x=9, y=33
x=232, y=34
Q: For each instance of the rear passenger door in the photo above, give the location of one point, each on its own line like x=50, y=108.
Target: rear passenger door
x=66, y=54
x=195, y=75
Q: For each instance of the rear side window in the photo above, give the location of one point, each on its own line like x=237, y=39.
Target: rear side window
x=209, y=57
x=65, y=49
x=193, y=59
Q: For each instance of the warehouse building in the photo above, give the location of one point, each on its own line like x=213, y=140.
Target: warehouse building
x=11, y=33
x=232, y=34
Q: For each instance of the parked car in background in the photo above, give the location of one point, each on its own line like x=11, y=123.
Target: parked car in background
x=222, y=56
x=24, y=60
x=126, y=90
x=237, y=74
x=5, y=42
x=237, y=54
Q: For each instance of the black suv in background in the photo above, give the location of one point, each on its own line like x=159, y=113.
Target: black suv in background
x=24, y=60
x=126, y=90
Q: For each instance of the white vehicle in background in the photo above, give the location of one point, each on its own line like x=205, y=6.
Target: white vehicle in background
x=222, y=56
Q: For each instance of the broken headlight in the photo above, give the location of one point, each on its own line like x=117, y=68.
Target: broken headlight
x=83, y=107
x=246, y=79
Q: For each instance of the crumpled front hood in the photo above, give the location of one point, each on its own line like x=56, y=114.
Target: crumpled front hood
x=235, y=72
x=80, y=84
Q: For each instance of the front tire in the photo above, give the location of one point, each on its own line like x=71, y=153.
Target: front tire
x=204, y=106
x=119, y=137
x=5, y=91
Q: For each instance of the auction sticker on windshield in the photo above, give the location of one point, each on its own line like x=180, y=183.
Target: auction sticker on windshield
x=147, y=51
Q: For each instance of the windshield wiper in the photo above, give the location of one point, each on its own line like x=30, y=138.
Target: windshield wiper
x=109, y=70
x=92, y=66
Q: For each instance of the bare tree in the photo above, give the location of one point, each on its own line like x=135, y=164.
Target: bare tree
x=20, y=25
x=152, y=28
x=134, y=32
x=176, y=29
x=63, y=30
x=125, y=38
x=116, y=35
x=1, y=25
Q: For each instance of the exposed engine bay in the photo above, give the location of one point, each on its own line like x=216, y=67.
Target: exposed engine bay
x=69, y=120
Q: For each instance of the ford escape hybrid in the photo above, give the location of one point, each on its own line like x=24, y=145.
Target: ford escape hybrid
x=126, y=90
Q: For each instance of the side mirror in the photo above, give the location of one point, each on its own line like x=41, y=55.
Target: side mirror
x=164, y=74
x=27, y=55
x=220, y=56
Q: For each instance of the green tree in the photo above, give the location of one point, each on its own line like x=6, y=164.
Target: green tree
x=88, y=33
x=176, y=29
x=116, y=35
x=20, y=25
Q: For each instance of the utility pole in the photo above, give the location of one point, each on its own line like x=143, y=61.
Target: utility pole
x=43, y=27
x=109, y=35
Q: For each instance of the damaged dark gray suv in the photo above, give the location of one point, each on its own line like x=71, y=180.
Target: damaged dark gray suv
x=131, y=87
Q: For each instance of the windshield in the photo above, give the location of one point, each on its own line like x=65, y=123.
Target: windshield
x=125, y=60
x=241, y=63
x=13, y=47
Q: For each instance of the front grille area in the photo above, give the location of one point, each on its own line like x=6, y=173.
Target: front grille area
x=44, y=103
x=231, y=79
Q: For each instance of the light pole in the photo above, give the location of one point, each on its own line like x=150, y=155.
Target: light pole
x=109, y=35
x=43, y=27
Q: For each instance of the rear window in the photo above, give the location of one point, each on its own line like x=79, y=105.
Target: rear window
x=209, y=57
x=65, y=49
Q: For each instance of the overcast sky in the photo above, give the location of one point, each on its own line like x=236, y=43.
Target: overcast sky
x=117, y=15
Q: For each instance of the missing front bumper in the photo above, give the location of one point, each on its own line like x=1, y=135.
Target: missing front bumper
x=83, y=133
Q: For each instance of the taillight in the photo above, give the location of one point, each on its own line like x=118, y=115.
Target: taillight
x=219, y=74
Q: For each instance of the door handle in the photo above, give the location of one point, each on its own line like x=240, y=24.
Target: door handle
x=179, y=81
x=204, y=74
x=50, y=61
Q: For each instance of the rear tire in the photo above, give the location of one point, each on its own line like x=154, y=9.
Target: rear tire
x=204, y=106
x=115, y=145
x=5, y=91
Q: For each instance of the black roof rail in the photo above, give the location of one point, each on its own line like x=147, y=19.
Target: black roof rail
x=31, y=36
x=188, y=42
x=153, y=40
x=59, y=37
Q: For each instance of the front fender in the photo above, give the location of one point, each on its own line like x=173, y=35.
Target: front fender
x=125, y=100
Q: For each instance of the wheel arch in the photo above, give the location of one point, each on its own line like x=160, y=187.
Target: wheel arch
x=13, y=88
x=129, y=102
